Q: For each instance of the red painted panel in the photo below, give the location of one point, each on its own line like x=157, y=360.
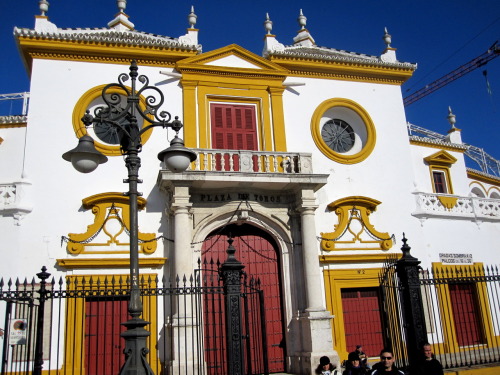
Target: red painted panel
x=233, y=128
x=362, y=322
x=466, y=314
x=260, y=259
x=103, y=344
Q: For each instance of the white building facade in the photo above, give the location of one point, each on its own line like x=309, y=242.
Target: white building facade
x=304, y=151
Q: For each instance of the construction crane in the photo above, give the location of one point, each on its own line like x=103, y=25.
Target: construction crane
x=490, y=54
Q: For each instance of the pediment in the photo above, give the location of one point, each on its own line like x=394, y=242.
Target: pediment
x=232, y=58
x=441, y=157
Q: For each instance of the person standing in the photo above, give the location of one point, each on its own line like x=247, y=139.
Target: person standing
x=386, y=365
x=325, y=367
x=355, y=367
x=429, y=365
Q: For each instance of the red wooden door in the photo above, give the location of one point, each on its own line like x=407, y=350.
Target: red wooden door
x=466, y=314
x=362, y=322
x=233, y=128
x=103, y=344
x=258, y=254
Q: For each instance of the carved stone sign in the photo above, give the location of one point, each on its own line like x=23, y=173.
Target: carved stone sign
x=450, y=258
x=239, y=196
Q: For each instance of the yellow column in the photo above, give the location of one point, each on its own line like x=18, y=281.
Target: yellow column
x=189, y=109
x=278, y=118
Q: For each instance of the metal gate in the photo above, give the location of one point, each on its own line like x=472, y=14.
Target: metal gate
x=50, y=322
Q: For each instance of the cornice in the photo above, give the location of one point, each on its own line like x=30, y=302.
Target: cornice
x=342, y=65
x=483, y=177
x=103, y=50
x=357, y=258
x=346, y=72
x=436, y=143
x=107, y=263
x=13, y=121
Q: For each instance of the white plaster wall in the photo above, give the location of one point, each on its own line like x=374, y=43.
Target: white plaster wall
x=458, y=172
x=386, y=175
x=11, y=154
x=58, y=189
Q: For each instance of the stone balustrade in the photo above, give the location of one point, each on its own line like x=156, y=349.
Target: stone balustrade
x=445, y=205
x=252, y=161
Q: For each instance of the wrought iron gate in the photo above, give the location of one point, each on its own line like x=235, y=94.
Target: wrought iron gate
x=190, y=318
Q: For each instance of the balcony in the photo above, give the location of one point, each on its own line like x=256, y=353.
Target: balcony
x=453, y=206
x=216, y=169
x=14, y=201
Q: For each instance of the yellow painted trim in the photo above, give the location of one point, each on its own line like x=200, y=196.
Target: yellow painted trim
x=365, y=117
x=346, y=71
x=492, y=180
x=107, y=263
x=81, y=107
x=13, y=125
x=423, y=143
x=448, y=202
x=363, y=207
x=447, y=175
x=278, y=117
x=270, y=130
x=450, y=342
x=442, y=158
x=74, y=348
x=100, y=203
x=335, y=280
x=205, y=63
x=357, y=258
x=111, y=53
x=476, y=370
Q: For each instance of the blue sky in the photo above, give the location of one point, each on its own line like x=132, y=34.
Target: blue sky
x=438, y=35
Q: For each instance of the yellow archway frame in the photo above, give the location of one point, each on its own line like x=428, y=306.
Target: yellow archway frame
x=109, y=206
x=344, y=238
x=450, y=341
x=74, y=335
x=365, y=117
x=83, y=104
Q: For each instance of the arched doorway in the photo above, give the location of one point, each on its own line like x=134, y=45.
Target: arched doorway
x=258, y=252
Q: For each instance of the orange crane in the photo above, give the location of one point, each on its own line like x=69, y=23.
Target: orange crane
x=479, y=61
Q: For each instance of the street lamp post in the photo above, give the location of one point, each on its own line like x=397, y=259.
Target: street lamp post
x=124, y=125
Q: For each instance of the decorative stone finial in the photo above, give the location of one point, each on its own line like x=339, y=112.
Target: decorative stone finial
x=268, y=24
x=122, y=4
x=44, y=7
x=387, y=38
x=451, y=118
x=192, y=18
x=302, y=20
x=121, y=21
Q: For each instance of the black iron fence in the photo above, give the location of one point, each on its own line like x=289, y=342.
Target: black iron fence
x=455, y=308
x=72, y=325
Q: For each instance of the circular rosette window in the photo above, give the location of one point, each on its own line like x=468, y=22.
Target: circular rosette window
x=343, y=131
x=106, y=138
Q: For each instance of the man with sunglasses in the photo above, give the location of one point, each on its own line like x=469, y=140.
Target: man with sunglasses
x=386, y=364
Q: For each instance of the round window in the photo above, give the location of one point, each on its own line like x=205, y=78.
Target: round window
x=343, y=131
x=338, y=135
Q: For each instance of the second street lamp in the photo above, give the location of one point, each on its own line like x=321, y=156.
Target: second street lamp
x=123, y=124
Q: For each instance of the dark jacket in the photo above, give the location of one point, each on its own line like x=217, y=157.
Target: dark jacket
x=432, y=367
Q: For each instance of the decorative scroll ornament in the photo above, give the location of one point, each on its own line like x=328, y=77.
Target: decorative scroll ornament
x=354, y=230
x=109, y=233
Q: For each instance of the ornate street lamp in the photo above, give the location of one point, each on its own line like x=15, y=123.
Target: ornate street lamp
x=124, y=125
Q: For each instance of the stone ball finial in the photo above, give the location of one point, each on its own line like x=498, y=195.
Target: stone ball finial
x=192, y=17
x=387, y=38
x=302, y=20
x=452, y=119
x=44, y=7
x=122, y=4
x=268, y=24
